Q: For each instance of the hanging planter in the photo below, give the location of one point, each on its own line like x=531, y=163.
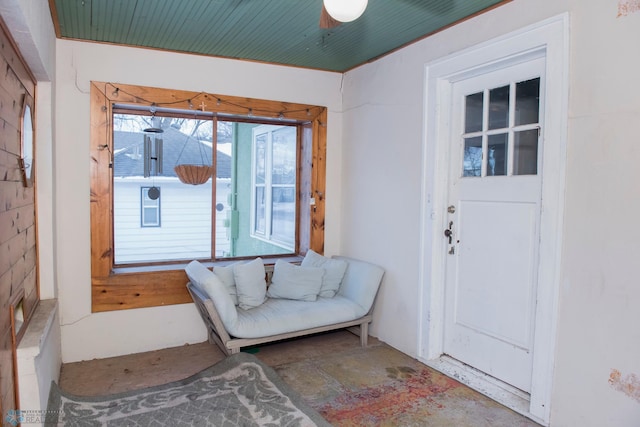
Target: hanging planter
x=190, y=173
x=193, y=174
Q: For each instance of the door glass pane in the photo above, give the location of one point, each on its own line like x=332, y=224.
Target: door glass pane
x=473, y=112
x=472, y=163
x=497, y=155
x=499, y=108
x=525, y=152
x=527, y=101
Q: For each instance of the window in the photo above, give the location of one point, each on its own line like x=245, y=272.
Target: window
x=251, y=201
x=268, y=159
x=150, y=206
x=141, y=160
x=273, y=212
x=503, y=123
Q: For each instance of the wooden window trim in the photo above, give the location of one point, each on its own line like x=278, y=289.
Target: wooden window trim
x=119, y=289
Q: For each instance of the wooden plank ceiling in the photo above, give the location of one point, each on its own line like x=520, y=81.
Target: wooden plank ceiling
x=274, y=31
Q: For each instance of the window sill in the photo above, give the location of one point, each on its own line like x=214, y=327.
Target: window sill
x=209, y=264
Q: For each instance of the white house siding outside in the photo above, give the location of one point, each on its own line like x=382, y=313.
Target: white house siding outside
x=185, y=221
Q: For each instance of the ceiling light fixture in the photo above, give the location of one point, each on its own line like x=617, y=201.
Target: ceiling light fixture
x=345, y=10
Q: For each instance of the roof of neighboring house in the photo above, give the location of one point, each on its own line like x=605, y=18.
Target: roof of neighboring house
x=177, y=147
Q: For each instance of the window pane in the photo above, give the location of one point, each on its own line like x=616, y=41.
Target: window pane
x=262, y=218
x=186, y=209
x=527, y=101
x=497, y=155
x=499, y=108
x=224, y=212
x=260, y=213
x=283, y=219
x=472, y=163
x=261, y=158
x=147, y=200
x=284, y=156
x=525, y=152
x=473, y=112
x=149, y=217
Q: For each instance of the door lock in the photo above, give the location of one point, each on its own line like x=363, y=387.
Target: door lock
x=448, y=233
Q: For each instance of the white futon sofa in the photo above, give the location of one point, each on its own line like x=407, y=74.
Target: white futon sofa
x=241, y=309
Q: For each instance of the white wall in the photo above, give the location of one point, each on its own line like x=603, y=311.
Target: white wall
x=599, y=298
x=599, y=324
x=86, y=335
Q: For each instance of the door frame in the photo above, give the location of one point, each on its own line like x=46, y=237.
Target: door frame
x=548, y=39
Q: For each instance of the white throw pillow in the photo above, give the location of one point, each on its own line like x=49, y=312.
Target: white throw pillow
x=250, y=283
x=198, y=274
x=203, y=278
x=295, y=282
x=334, y=270
x=226, y=275
x=211, y=285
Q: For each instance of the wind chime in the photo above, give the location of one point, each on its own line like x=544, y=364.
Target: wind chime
x=153, y=155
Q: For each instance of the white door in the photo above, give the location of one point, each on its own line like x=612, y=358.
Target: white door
x=493, y=220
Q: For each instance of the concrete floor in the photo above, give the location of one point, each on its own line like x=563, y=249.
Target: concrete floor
x=117, y=374
x=321, y=368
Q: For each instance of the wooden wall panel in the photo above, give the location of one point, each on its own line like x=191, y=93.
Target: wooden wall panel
x=13, y=61
x=125, y=291
x=30, y=283
x=18, y=247
x=306, y=187
x=5, y=297
x=6, y=373
x=318, y=182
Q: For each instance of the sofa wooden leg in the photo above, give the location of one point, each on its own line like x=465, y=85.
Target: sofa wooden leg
x=364, y=334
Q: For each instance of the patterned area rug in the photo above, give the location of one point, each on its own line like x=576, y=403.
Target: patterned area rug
x=379, y=386
x=238, y=391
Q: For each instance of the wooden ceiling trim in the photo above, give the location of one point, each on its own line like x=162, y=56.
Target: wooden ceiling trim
x=214, y=103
